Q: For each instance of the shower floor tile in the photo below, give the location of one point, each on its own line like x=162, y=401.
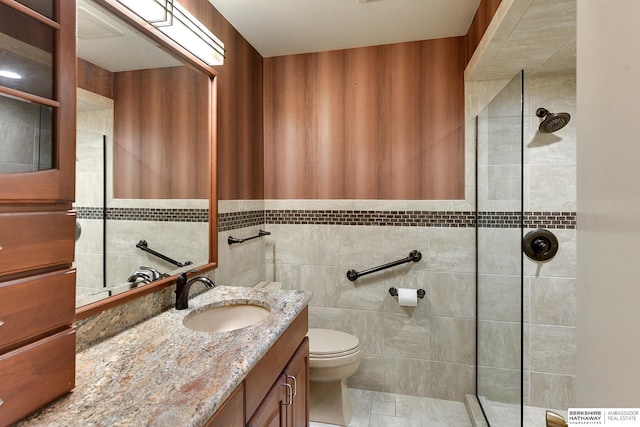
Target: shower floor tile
x=378, y=409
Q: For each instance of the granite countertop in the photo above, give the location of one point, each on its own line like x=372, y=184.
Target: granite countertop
x=159, y=373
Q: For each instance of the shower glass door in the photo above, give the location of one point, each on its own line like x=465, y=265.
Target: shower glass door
x=499, y=212
x=90, y=207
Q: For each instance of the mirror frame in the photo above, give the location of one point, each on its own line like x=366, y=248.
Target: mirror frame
x=194, y=62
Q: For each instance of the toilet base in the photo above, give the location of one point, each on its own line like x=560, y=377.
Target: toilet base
x=329, y=403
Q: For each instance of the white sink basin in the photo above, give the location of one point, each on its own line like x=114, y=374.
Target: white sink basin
x=226, y=316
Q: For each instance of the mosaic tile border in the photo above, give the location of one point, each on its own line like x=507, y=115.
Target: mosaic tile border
x=557, y=220
x=145, y=214
x=235, y=220
x=548, y=220
x=457, y=219
x=373, y=218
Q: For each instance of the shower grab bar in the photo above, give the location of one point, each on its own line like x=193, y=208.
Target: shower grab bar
x=142, y=244
x=414, y=256
x=232, y=240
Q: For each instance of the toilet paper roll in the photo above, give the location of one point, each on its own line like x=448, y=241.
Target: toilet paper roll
x=407, y=297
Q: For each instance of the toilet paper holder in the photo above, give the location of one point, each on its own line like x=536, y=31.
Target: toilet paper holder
x=394, y=292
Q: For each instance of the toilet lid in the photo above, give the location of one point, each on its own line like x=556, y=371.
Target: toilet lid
x=327, y=342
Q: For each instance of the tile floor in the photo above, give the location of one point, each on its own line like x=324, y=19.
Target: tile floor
x=378, y=409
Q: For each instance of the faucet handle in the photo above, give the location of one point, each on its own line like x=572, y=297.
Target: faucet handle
x=137, y=278
x=155, y=274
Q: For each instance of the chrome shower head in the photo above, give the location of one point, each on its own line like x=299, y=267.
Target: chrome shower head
x=551, y=122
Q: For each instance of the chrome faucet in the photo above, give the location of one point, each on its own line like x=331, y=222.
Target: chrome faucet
x=138, y=278
x=182, y=289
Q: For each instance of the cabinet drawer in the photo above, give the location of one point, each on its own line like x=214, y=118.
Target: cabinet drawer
x=34, y=375
x=36, y=240
x=35, y=305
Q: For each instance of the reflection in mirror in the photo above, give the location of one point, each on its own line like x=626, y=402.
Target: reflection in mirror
x=142, y=159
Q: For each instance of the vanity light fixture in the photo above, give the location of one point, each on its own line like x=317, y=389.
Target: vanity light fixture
x=172, y=19
x=10, y=74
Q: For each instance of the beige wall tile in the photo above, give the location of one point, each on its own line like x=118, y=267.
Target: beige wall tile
x=499, y=344
x=453, y=340
x=452, y=381
x=407, y=336
x=553, y=391
x=367, y=326
x=553, y=301
x=408, y=376
x=552, y=349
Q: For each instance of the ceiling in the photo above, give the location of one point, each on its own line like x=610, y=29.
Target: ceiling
x=285, y=27
x=110, y=43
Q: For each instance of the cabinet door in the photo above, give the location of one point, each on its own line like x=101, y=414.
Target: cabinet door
x=297, y=375
x=271, y=412
x=36, y=374
x=38, y=112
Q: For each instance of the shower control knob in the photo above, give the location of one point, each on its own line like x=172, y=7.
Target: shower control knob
x=540, y=245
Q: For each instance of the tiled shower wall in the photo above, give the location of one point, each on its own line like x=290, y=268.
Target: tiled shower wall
x=549, y=288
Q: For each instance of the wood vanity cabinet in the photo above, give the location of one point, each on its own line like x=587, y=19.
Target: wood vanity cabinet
x=37, y=224
x=286, y=403
x=276, y=391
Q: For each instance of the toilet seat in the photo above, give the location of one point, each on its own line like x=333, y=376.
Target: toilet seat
x=329, y=344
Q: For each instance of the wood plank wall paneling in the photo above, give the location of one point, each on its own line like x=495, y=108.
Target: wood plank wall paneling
x=95, y=79
x=162, y=153
x=240, y=109
x=293, y=166
x=285, y=104
x=481, y=20
x=361, y=153
x=384, y=122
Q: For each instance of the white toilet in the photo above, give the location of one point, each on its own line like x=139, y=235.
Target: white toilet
x=333, y=356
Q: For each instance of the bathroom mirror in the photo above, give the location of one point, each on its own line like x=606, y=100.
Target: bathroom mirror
x=145, y=192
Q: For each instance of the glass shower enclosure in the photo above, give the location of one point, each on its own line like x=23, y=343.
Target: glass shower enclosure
x=499, y=277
